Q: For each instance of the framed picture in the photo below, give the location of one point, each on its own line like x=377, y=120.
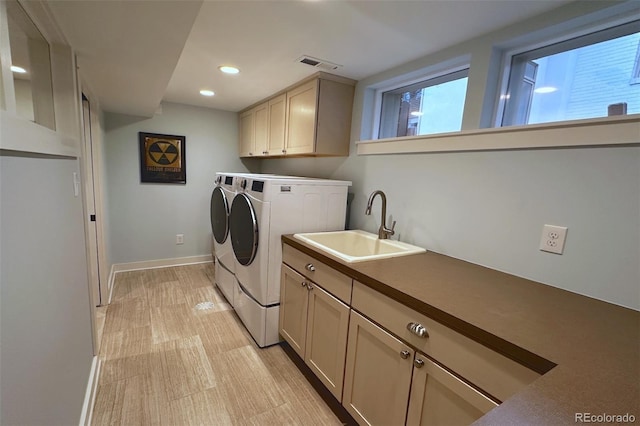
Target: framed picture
x=162, y=158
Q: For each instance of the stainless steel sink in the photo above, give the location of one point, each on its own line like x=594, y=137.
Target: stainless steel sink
x=357, y=246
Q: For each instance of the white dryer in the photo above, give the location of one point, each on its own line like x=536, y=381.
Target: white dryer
x=264, y=208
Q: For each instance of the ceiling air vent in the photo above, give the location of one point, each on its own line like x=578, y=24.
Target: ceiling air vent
x=318, y=63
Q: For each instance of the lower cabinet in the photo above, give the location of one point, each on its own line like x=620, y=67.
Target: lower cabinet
x=388, y=383
x=316, y=326
x=440, y=398
x=377, y=376
x=385, y=362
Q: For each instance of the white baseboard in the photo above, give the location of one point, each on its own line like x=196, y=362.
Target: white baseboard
x=90, y=394
x=161, y=263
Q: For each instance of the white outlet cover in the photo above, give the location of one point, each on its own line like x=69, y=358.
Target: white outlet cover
x=553, y=238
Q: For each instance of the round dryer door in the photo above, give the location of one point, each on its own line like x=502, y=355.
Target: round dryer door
x=219, y=215
x=244, y=229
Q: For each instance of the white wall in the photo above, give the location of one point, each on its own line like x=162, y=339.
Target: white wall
x=489, y=207
x=144, y=218
x=45, y=325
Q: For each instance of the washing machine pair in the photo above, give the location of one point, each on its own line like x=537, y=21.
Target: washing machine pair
x=263, y=208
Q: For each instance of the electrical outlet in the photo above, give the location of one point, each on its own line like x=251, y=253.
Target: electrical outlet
x=179, y=238
x=553, y=238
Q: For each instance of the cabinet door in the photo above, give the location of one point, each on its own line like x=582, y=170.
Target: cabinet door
x=247, y=129
x=293, y=309
x=377, y=376
x=277, y=116
x=327, y=328
x=440, y=398
x=261, y=133
x=301, y=118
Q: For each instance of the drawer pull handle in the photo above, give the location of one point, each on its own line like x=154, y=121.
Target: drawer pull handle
x=418, y=363
x=303, y=283
x=417, y=329
x=404, y=354
x=310, y=267
x=309, y=286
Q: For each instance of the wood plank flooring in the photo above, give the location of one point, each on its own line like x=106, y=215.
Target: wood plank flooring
x=164, y=362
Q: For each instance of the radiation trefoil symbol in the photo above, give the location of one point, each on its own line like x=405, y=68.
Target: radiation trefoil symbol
x=163, y=153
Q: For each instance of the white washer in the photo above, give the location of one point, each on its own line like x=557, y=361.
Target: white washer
x=221, y=199
x=264, y=208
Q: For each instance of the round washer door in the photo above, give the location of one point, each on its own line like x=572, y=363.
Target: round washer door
x=244, y=229
x=219, y=215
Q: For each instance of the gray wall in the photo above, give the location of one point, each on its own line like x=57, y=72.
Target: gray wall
x=45, y=319
x=144, y=218
x=489, y=207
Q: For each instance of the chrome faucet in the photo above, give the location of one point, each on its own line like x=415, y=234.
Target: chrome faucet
x=384, y=232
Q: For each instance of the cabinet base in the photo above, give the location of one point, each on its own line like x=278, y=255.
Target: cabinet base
x=319, y=387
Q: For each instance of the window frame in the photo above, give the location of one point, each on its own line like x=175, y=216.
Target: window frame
x=442, y=78
x=569, y=41
x=436, y=71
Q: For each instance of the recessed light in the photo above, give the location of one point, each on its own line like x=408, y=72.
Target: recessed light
x=229, y=69
x=545, y=89
x=19, y=70
x=206, y=93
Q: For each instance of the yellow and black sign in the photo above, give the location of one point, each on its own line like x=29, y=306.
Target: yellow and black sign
x=162, y=158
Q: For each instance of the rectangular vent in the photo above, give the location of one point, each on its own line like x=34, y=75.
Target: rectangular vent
x=318, y=63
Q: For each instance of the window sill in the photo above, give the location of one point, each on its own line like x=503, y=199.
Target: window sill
x=623, y=130
x=21, y=135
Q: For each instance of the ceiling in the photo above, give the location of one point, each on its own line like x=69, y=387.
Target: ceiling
x=134, y=54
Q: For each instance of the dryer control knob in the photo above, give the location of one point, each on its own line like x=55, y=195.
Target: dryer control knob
x=218, y=180
x=243, y=185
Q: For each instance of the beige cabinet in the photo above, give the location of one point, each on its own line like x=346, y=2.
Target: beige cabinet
x=440, y=398
x=277, y=122
x=377, y=376
x=312, y=118
x=247, y=134
x=387, y=382
x=315, y=324
x=261, y=129
x=301, y=119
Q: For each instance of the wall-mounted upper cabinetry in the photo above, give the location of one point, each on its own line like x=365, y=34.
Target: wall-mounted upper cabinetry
x=311, y=118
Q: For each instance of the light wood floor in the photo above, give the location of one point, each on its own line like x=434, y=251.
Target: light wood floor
x=165, y=362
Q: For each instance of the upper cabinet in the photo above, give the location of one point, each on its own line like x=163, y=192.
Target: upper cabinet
x=312, y=118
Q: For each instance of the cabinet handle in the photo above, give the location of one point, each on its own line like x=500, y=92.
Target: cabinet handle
x=310, y=267
x=284, y=151
x=303, y=284
x=418, y=363
x=309, y=286
x=417, y=329
x=265, y=152
x=251, y=153
x=404, y=354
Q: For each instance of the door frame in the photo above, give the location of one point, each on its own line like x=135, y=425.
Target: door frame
x=98, y=271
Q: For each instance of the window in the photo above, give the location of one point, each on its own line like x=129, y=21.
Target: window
x=31, y=68
x=427, y=107
x=586, y=77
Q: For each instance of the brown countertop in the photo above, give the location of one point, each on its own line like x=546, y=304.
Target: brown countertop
x=587, y=350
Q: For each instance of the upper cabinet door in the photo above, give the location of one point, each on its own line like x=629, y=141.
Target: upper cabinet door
x=277, y=119
x=261, y=134
x=301, y=119
x=247, y=130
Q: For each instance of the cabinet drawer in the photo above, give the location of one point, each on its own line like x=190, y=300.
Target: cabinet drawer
x=331, y=280
x=494, y=373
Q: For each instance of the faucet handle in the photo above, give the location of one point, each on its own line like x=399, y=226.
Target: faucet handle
x=393, y=225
